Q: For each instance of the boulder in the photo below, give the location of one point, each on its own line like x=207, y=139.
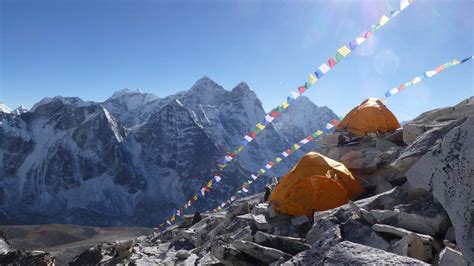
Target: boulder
x=288, y=245
x=182, y=254
x=360, y=233
x=348, y=253
x=412, y=246
x=447, y=172
x=436, y=118
x=21, y=257
x=208, y=259
x=261, y=208
x=450, y=234
x=259, y=221
x=261, y=253
x=400, y=233
x=409, y=221
x=450, y=257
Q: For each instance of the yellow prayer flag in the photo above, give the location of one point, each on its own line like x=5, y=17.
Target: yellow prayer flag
x=455, y=62
x=416, y=80
x=384, y=20
x=344, y=51
x=319, y=132
x=284, y=105
x=278, y=159
x=312, y=79
x=260, y=126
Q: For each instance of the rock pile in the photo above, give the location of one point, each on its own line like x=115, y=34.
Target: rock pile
x=417, y=209
x=10, y=256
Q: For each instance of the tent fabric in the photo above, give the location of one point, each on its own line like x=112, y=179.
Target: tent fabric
x=371, y=116
x=316, y=183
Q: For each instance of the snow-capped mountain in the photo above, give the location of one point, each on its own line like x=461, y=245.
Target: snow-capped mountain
x=133, y=158
x=20, y=110
x=4, y=108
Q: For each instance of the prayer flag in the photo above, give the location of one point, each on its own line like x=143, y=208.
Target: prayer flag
x=324, y=68
x=352, y=44
x=339, y=57
x=332, y=62
x=344, y=51
x=295, y=95
x=384, y=20
x=360, y=40
x=312, y=79
x=284, y=105
x=301, y=89
x=254, y=177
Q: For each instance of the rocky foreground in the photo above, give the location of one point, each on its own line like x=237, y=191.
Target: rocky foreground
x=418, y=208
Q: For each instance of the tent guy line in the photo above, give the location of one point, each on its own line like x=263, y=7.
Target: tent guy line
x=341, y=53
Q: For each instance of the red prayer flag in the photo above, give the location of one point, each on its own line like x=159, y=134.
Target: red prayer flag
x=301, y=89
x=332, y=62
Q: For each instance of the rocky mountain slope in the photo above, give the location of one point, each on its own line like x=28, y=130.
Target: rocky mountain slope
x=417, y=209
x=133, y=158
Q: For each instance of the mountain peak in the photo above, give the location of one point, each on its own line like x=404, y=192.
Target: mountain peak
x=4, y=108
x=126, y=91
x=206, y=83
x=20, y=110
x=242, y=88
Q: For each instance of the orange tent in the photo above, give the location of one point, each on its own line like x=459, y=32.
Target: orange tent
x=370, y=116
x=316, y=183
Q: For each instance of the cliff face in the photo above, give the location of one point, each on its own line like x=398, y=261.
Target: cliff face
x=133, y=158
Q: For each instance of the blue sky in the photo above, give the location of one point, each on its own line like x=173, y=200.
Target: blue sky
x=92, y=48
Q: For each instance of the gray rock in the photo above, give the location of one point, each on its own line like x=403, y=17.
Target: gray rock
x=400, y=233
x=447, y=172
x=409, y=221
x=383, y=144
x=451, y=257
x=348, y=253
x=300, y=220
x=363, y=214
x=450, y=234
x=261, y=208
x=209, y=259
x=288, y=245
x=259, y=221
x=412, y=246
x=182, y=254
x=261, y=253
x=357, y=232
x=436, y=118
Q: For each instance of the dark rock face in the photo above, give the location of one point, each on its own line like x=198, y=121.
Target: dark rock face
x=133, y=158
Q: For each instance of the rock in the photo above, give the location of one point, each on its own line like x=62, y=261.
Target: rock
x=412, y=246
x=261, y=253
x=400, y=233
x=446, y=171
x=259, y=221
x=182, y=243
x=409, y=221
x=348, y=253
x=436, y=118
x=196, y=218
x=182, y=254
x=261, y=208
x=230, y=255
x=451, y=257
x=383, y=144
x=363, y=214
x=19, y=257
x=300, y=220
x=5, y=246
x=382, y=185
x=450, y=234
x=288, y=245
x=357, y=232
x=208, y=259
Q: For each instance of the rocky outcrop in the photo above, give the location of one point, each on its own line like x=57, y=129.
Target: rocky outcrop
x=447, y=171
